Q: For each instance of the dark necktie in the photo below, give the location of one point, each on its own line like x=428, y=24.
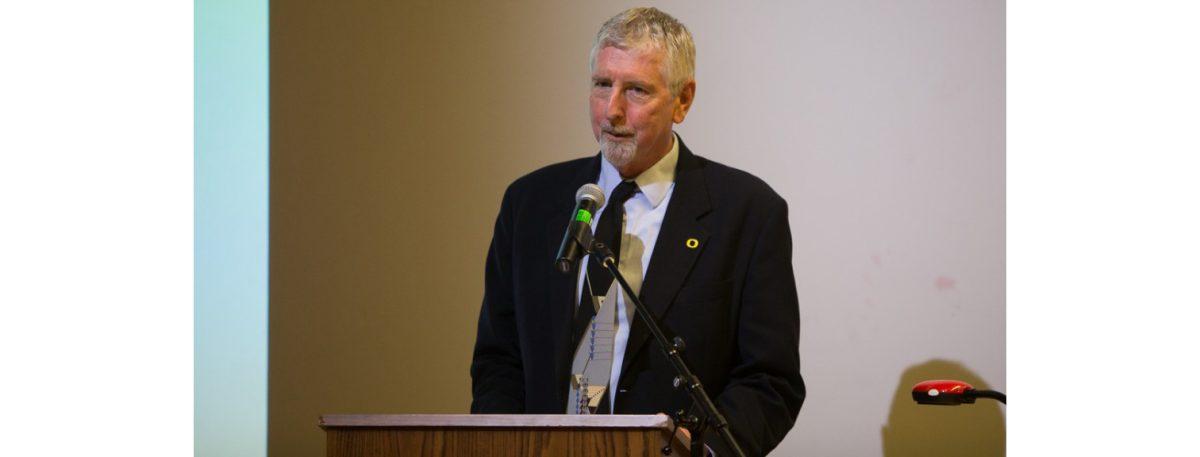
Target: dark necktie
x=608, y=232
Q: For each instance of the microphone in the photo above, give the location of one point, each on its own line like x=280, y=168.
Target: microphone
x=588, y=199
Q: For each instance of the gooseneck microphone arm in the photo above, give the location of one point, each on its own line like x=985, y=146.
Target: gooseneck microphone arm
x=673, y=350
x=988, y=394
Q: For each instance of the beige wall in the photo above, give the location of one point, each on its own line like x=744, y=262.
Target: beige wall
x=395, y=126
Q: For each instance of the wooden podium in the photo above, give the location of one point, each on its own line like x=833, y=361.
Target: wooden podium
x=509, y=435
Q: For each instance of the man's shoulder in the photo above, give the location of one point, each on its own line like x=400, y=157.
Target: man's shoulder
x=555, y=179
x=735, y=186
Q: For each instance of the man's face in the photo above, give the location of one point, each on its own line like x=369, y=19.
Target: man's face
x=632, y=108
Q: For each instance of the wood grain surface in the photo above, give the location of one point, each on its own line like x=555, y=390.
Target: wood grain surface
x=498, y=435
x=497, y=420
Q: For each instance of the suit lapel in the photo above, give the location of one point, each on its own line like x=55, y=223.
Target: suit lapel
x=674, y=252
x=560, y=300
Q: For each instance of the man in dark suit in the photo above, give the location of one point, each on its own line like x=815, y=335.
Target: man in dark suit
x=713, y=242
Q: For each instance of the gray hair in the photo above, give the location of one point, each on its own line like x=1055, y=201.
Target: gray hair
x=640, y=28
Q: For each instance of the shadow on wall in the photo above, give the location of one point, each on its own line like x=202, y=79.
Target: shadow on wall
x=932, y=430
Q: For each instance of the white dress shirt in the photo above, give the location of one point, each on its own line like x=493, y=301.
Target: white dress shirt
x=644, y=213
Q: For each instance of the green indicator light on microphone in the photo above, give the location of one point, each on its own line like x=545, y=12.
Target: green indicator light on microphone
x=584, y=216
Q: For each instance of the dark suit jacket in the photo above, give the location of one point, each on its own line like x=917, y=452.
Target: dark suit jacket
x=732, y=298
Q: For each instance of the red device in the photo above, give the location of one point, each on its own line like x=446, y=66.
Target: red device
x=950, y=392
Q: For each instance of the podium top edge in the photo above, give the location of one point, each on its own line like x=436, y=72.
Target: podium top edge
x=659, y=421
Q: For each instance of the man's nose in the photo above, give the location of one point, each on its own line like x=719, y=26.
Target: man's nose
x=616, y=108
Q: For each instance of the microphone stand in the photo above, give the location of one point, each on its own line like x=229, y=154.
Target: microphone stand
x=673, y=350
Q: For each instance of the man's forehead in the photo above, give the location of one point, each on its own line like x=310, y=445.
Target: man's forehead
x=610, y=58
x=640, y=49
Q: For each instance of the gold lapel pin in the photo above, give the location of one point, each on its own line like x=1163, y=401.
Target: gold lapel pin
x=692, y=243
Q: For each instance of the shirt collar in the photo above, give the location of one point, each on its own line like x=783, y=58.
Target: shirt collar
x=654, y=182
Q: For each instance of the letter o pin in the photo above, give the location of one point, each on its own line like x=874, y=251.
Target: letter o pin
x=692, y=243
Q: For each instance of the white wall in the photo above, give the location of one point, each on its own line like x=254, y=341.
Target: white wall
x=882, y=124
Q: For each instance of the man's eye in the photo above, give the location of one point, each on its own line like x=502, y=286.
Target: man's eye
x=601, y=84
x=638, y=93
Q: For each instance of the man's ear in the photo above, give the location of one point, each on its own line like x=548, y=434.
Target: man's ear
x=684, y=101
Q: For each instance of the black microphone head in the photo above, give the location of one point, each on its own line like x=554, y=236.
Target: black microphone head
x=591, y=192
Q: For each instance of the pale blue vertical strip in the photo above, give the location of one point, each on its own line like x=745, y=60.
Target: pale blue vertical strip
x=231, y=201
